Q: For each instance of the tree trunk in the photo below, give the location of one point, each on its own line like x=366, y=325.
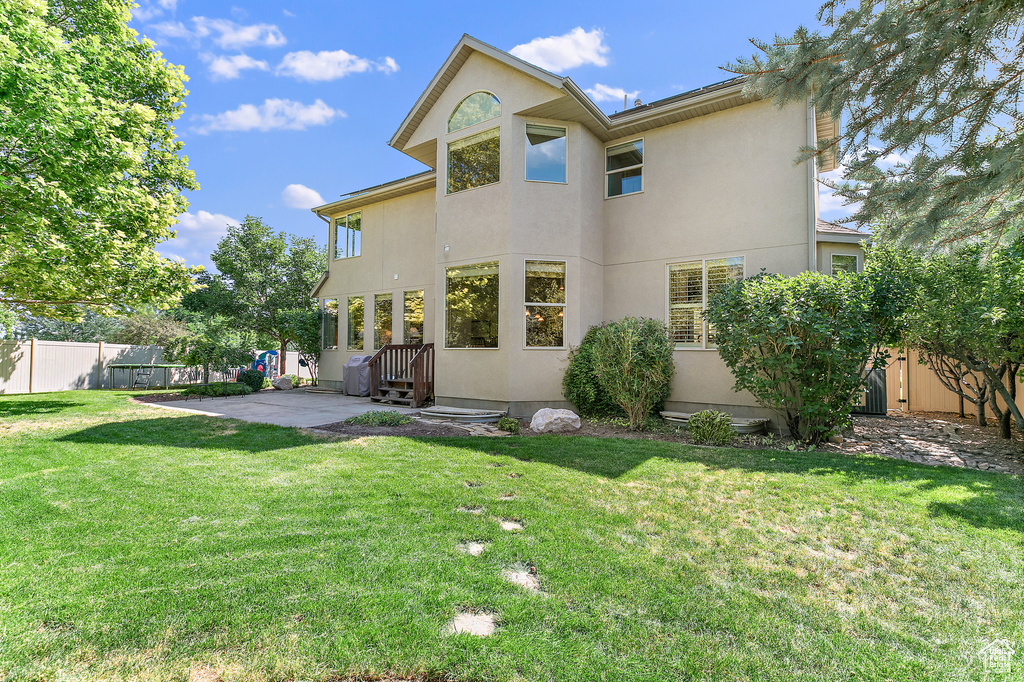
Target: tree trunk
x=1002, y=417
x=995, y=382
x=283, y=365
x=961, y=396
x=982, y=418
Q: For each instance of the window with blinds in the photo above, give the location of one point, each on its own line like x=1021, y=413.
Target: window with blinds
x=690, y=285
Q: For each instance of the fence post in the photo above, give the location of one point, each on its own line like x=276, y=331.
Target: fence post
x=99, y=368
x=31, y=362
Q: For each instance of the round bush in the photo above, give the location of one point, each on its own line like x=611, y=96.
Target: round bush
x=709, y=427
x=510, y=424
x=253, y=378
x=580, y=385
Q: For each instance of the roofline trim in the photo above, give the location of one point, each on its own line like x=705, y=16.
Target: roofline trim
x=410, y=183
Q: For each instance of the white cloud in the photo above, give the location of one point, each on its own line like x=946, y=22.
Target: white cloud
x=148, y=9
x=273, y=114
x=287, y=13
x=226, y=68
x=830, y=205
x=224, y=32
x=205, y=223
x=605, y=93
x=300, y=196
x=559, y=53
x=328, y=66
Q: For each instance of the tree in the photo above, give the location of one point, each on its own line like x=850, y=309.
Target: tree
x=91, y=169
x=88, y=327
x=264, y=275
x=149, y=328
x=936, y=82
x=304, y=329
x=634, y=366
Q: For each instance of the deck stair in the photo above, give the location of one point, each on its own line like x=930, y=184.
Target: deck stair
x=402, y=374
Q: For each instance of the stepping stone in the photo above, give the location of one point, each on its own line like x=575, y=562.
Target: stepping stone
x=515, y=475
x=473, y=547
x=473, y=484
x=471, y=509
x=508, y=496
x=496, y=465
x=524, y=576
x=511, y=524
x=476, y=624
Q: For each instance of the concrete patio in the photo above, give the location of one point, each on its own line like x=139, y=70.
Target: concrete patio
x=284, y=408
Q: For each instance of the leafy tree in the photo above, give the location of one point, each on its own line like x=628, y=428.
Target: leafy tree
x=89, y=327
x=210, y=349
x=937, y=83
x=265, y=275
x=304, y=329
x=633, y=363
x=800, y=344
x=580, y=385
x=91, y=169
x=149, y=328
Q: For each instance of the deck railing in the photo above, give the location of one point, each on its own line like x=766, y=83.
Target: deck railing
x=404, y=369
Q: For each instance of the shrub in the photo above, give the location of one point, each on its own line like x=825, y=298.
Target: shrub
x=217, y=390
x=580, y=385
x=510, y=424
x=253, y=378
x=634, y=366
x=380, y=418
x=709, y=427
x=799, y=344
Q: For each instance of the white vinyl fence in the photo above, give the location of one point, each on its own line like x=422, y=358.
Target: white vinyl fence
x=33, y=366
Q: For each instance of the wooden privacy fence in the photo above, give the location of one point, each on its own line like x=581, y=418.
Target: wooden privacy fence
x=913, y=387
x=33, y=366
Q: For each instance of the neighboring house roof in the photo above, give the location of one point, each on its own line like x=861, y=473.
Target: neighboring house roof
x=833, y=232
x=315, y=292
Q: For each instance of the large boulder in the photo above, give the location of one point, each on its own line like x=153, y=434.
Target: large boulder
x=548, y=420
x=282, y=384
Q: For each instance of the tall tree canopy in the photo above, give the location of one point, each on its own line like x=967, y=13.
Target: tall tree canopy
x=90, y=170
x=936, y=82
x=264, y=275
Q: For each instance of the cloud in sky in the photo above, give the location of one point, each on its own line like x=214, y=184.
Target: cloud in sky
x=227, y=68
x=328, y=66
x=300, y=196
x=206, y=223
x=198, y=234
x=560, y=53
x=273, y=114
x=606, y=93
x=223, y=32
x=150, y=9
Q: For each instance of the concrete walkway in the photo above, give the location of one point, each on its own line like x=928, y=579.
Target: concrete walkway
x=284, y=408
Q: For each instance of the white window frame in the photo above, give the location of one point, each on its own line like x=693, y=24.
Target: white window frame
x=447, y=162
x=563, y=306
x=337, y=323
x=704, y=346
x=423, y=324
x=526, y=143
x=361, y=349
x=643, y=184
x=461, y=101
x=334, y=234
x=832, y=262
x=444, y=308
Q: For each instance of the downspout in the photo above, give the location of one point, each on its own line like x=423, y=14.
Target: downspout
x=812, y=191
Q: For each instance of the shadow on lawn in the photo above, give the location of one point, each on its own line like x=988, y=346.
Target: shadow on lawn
x=208, y=433
x=32, y=406
x=995, y=501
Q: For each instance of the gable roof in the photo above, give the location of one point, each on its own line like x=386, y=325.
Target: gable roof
x=573, y=105
x=833, y=232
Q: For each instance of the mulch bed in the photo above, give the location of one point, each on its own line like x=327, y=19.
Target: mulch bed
x=411, y=430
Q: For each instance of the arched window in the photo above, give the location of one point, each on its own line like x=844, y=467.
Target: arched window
x=477, y=107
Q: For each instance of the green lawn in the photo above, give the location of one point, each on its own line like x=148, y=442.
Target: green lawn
x=138, y=543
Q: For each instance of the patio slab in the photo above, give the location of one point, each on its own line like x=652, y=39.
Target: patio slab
x=284, y=408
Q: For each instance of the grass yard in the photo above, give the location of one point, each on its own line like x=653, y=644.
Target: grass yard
x=139, y=543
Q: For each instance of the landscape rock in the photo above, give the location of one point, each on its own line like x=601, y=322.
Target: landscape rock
x=548, y=420
x=282, y=384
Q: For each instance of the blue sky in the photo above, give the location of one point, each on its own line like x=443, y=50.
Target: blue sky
x=292, y=103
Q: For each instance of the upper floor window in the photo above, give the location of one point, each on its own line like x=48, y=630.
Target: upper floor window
x=474, y=161
x=844, y=263
x=347, y=235
x=690, y=285
x=476, y=108
x=545, y=153
x=624, y=168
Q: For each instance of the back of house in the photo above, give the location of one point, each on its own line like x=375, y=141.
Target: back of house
x=541, y=216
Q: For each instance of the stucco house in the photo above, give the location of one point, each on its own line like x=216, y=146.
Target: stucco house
x=540, y=216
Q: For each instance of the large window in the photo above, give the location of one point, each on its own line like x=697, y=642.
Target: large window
x=545, y=304
x=624, y=168
x=381, y=320
x=413, y=313
x=347, y=235
x=471, y=306
x=355, y=323
x=474, y=161
x=329, y=324
x=690, y=285
x=545, y=153
x=476, y=108
x=844, y=263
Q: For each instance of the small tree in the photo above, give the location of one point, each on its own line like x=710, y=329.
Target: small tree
x=580, y=385
x=633, y=363
x=304, y=329
x=799, y=345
